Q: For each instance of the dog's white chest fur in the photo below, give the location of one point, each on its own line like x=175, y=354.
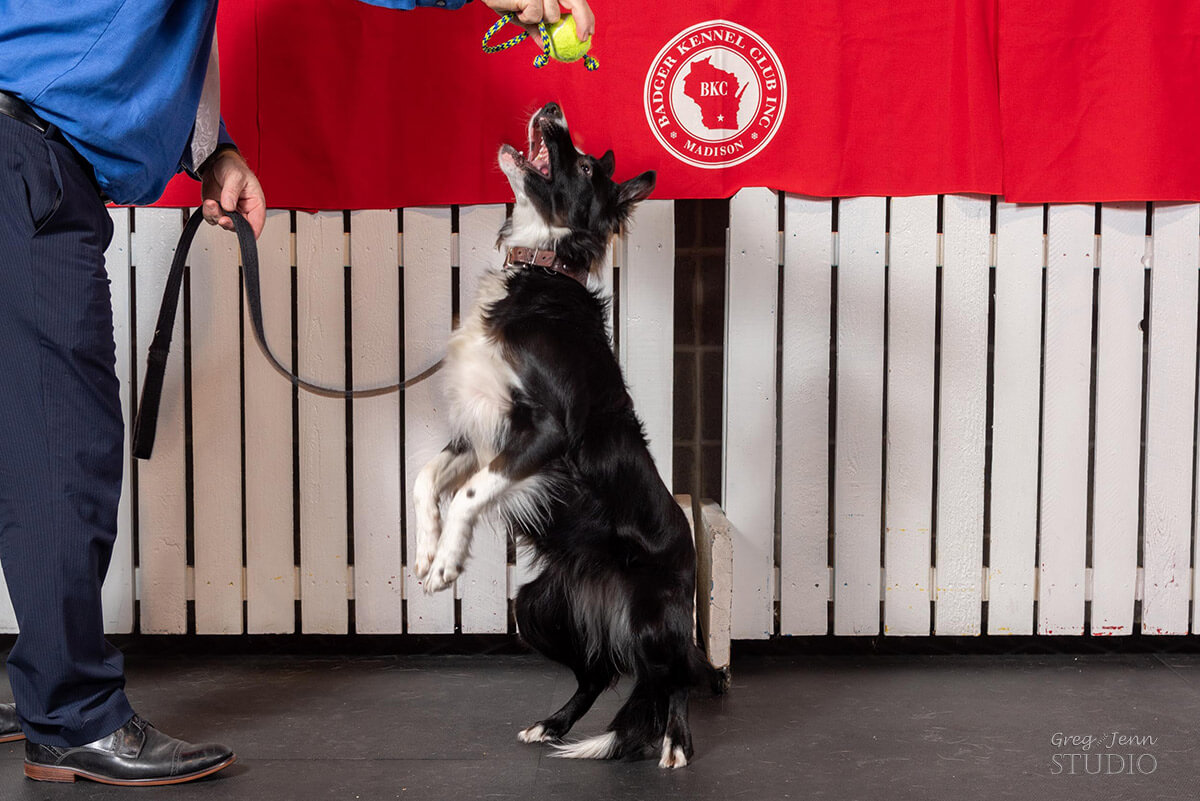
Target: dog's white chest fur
x=479, y=380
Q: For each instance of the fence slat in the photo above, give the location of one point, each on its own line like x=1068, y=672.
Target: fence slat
x=118, y=585
x=752, y=288
x=1170, y=419
x=1070, y=265
x=1118, y=426
x=648, y=323
x=912, y=323
x=804, y=416
x=375, y=348
x=427, y=310
x=483, y=585
x=216, y=431
x=162, y=491
x=962, y=422
x=320, y=297
x=270, y=468
x=858, y=461
x=1016, y=411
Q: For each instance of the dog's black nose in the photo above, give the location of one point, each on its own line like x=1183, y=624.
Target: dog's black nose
x=552, y=110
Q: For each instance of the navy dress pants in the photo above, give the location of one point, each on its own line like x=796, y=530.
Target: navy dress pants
x=61, y=438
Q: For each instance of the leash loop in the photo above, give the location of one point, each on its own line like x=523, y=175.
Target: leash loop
x=156, y=360
x=513, y=42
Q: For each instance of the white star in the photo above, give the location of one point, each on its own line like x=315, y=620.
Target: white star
x=720, y=118
x=674, y=135
x=754, y=136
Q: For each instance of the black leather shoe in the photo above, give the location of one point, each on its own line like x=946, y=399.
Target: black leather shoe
x=135, y=754
x=10, y=729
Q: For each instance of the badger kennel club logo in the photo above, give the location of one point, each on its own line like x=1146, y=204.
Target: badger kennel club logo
x=715, y=95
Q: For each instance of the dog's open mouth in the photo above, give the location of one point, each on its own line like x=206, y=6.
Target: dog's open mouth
x=537, y=160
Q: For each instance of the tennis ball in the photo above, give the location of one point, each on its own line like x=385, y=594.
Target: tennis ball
x=564, y=43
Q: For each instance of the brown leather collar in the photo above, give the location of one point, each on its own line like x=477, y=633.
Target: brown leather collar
x=546, y=259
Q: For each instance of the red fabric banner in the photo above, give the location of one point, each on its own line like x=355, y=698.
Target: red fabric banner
x=1100, y=99
x=338, y=104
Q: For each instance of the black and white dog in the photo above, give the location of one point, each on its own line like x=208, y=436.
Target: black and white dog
x=545, y=437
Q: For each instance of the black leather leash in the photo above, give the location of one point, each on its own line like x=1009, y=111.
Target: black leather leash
x=156, y=361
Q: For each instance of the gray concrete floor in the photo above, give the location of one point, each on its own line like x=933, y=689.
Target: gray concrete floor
x=804, y=727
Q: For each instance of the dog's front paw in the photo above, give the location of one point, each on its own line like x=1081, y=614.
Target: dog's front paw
x=442, y=573
x=427, y=544
x=424, y=557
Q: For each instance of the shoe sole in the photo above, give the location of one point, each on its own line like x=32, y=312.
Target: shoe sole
x=11, y=738
x=47, y=773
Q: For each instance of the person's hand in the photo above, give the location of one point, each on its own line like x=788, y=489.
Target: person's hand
x=229, y=183
x=531, y=12
x=585, y=20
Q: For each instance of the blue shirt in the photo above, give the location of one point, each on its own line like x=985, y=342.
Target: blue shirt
x=120, y=78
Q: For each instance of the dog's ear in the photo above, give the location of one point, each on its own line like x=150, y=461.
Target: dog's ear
x=629, y=194
x=608, y=163
x=636, y=189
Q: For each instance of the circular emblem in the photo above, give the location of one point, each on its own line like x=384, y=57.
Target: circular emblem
x=715, y=95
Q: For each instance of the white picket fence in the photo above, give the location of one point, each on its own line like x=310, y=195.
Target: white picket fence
x=858, y=485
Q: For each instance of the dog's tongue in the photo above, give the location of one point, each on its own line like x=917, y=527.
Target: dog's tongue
x=542, y=161
x=541, y=158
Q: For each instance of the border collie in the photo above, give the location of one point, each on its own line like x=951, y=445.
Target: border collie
x=546, y=438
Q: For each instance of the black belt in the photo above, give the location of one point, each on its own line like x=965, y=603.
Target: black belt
x=19, y=110
x=15, y=108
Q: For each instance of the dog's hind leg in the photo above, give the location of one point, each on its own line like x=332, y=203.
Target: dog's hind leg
x=654, y=719
x=543, y=621
x=444, y=473
x=635, y=733
x=558, y=724
x=677, y=742
x=651, y=722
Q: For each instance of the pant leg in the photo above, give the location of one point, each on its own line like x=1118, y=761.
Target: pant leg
x=61, y=439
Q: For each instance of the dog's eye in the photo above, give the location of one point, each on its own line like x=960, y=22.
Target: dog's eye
x=586, y=168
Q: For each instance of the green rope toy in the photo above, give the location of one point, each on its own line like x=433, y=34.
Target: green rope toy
x=559, y=42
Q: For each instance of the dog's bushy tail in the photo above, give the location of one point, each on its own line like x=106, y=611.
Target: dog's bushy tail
x=603, y=746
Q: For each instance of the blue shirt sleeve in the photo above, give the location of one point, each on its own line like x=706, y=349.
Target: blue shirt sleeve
x=223, y=137
x=408, y=5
